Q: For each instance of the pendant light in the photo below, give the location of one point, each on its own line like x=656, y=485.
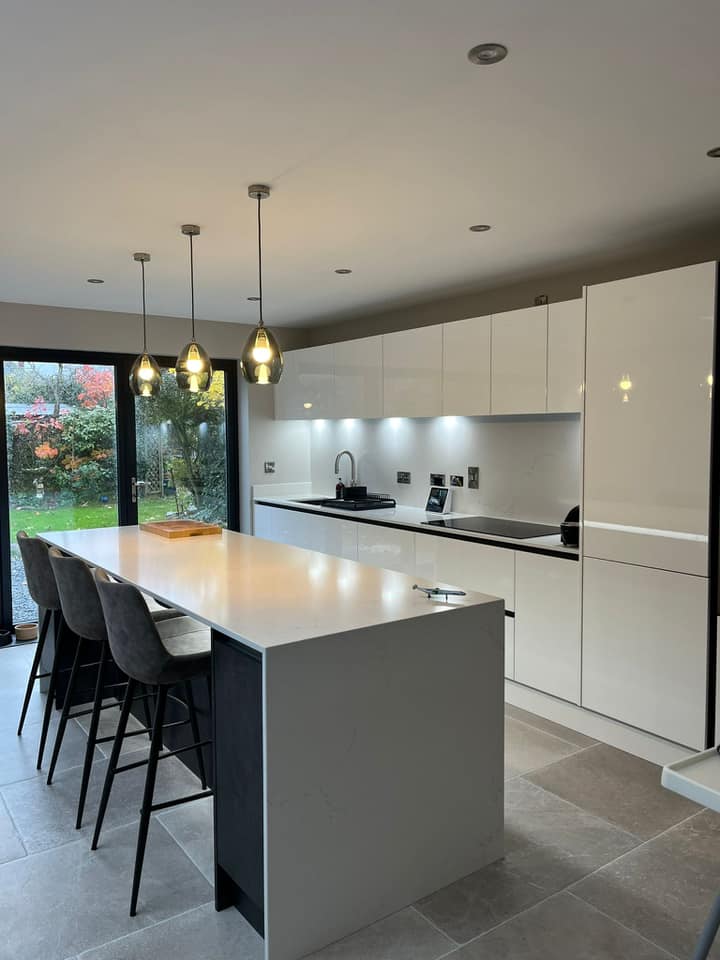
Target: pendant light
x=145, y=377
x=261, y=360
x=193, y=369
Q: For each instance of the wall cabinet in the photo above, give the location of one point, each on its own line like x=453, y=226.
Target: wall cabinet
x=644, y=648
x=386, y=547
x=519, y=361
x=466, y=367
x=566, y=356
x=412, y=373
x=307, y=387
x=358, y=378
x=547, y=624
x=647, y=419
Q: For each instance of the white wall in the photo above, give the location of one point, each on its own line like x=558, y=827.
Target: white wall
x=529, y=466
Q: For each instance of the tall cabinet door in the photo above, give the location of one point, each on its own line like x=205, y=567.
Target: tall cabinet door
x=358, y=378
x=519, y=361
x=466, y=367
x=647, y=419
x=412, y=373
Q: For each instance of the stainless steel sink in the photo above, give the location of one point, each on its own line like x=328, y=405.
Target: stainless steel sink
x=365, y=503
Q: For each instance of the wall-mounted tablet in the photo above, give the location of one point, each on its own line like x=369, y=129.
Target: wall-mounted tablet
x=438, y=500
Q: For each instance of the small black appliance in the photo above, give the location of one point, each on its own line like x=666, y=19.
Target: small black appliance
x=570, y=528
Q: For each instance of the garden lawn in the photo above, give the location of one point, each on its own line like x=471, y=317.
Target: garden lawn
x=82, y=517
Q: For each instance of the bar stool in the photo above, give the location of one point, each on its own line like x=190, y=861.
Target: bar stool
x=83, y=614
x=161, y=654
x=43, y=590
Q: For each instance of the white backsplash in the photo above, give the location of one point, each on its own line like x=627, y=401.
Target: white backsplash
x=529, y=466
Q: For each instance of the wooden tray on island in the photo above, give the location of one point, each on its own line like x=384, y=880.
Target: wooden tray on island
x=176, y=529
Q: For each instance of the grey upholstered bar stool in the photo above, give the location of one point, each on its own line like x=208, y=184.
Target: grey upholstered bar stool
x=84, y=616
x=43, y=590
x=160, y=654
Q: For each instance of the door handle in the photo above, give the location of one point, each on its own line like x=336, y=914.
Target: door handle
x=133, y=489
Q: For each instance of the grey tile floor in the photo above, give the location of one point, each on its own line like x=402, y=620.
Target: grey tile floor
x=600, y=862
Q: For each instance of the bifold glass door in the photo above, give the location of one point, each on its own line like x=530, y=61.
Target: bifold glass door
x=181, y=453
x=61, y=448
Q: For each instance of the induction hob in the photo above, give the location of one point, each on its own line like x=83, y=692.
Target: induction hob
x=497, y=527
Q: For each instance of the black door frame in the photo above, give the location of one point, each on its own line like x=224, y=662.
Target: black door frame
x=125, y=443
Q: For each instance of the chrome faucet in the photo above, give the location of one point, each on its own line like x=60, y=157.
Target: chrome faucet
x=353, y=477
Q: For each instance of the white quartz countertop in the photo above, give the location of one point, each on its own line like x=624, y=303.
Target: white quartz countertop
x=261, y=593
x=416, y=518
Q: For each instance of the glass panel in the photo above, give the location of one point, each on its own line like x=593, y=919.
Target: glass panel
x=181, y=452
x=61, y=449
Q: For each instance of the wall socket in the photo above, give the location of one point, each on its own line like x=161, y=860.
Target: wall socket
x=473, y=478
x=456, y=480
x=403, y=476
x=269, y=466
x=437, y=479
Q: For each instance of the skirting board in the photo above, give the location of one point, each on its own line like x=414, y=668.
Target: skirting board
x=595, y=725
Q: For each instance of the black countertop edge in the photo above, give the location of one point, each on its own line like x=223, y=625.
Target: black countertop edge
x=431, y=532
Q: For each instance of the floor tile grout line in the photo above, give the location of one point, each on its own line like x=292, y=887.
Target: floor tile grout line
x=186, y=852
x=151, y=926
x=447, y=936
x=637, y=933
x=554, y=736
x=551, y=763
x=11, y=818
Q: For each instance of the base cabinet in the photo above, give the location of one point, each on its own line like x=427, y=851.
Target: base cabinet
x=386, y=547
x=644, y=648
x=547, y=625
x=509, y=648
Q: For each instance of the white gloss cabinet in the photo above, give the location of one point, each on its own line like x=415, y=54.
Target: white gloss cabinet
x=306, y=390
x=644, y=648
x=358, y=378
x=647, y=419
x=466, y=367
x=386, y=547
x=547, y=624
x=519, y=361
x=412, y=373
x=566, y=356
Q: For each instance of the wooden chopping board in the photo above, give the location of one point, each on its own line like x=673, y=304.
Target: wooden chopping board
x=176, y=529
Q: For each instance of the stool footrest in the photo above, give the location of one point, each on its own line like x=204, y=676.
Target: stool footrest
x=175, y=803
x=162, y=756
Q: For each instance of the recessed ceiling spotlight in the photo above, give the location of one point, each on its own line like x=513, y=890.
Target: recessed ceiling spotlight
x=343, y=271
x=254, y=299
x=95, y=280
x=715, y=152
x=485, y=54
x=479, y=228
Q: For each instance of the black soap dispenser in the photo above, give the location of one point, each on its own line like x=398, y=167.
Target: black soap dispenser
x=339, y=489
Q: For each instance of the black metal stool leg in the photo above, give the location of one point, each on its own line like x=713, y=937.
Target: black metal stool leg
x=114, y=757
x=34, y=669
x=709, y=932
x=146, y=810
x=92, y=734
x=59, y=627
x=195, y=731
x=65, y=711
x=146, y=708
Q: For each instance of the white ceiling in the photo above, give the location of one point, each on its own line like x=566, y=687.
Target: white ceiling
x=122, y=120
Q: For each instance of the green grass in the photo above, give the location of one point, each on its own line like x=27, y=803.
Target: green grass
x=82, y=517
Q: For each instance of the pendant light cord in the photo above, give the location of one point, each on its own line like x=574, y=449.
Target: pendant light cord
x=260, y=288
x=142, y=267
x=192, y=288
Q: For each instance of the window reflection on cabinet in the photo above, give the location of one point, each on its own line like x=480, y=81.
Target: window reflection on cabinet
x=306, y=390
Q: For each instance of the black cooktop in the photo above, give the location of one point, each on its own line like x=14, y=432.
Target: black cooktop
x=497, y=527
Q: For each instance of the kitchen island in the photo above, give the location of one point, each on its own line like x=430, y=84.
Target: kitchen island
x=358, y=727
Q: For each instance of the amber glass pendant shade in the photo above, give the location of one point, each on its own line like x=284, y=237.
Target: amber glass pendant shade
x=193, y=369
x=145, y=377
x=261, y=360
